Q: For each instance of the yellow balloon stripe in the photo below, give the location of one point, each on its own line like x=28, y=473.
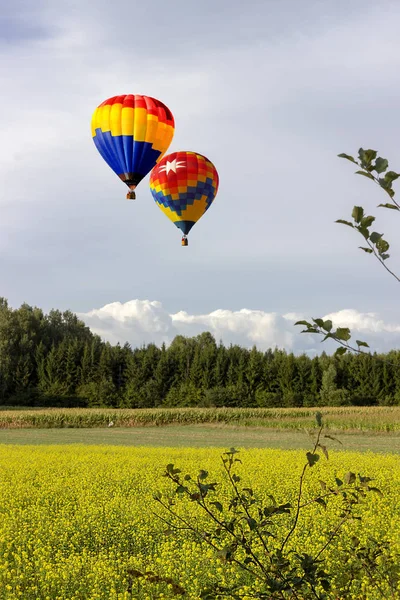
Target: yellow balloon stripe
x=115, y=119
x=126, y=124
x=137, y=122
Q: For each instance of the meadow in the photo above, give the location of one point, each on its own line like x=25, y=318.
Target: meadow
x=75, y=520
x=373, y=419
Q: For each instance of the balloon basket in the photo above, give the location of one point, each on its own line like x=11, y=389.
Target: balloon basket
x=184, y=241
x=131, y=196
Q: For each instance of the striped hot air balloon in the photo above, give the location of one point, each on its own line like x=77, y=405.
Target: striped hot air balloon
x=132, y=133
x=184, y=185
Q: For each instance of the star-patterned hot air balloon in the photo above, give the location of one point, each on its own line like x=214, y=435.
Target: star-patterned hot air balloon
x=132, y=133
x=184, y=185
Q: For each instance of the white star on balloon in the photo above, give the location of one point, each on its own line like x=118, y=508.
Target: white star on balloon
x=172, y=166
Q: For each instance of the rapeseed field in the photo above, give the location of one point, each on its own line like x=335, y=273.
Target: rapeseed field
x=77, y=521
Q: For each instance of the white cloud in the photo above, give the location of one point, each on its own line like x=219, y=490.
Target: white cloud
x=143, y=321
x=365, y=322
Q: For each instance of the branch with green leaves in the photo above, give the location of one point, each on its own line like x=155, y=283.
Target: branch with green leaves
x=375, y=168
x=369, y=161
x=249, y=532
x=341, y=335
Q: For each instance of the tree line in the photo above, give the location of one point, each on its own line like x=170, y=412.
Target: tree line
x=55, y=360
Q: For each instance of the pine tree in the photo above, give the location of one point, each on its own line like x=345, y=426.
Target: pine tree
x=163, y=376
x=254, y=372
x=196, y=369
x=221, y=367
x=330, y=394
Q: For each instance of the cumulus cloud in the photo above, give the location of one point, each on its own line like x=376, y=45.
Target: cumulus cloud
x=143, y=321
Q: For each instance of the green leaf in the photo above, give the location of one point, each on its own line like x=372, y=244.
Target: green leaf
x=350, y=478
x=364, y=231
x=326, y=586
x=339, y=482
x=203, y=474
x=330, y=437
x=252, y=523
x=320, y=501
x=347, y=156
x=360, y=343
x=366, y=174
x=343, y=222
x=376, y=490
x=218, y=506
x=319, y=322
x=367, y=156
x=322, y=484
x=391, y=176
x=312, y=458
x=388, y=205
x=226, y=553
x=324, y=450
x=340, y=351
x=385, y=256
x=367, y=221
x=236, y=478
x=366, y=249
x=381, y=164
x=342, y=333
x=306, y=323
x=358, y=213
x=382, y=245
x=375, y=237
x=364, y=479
x=327, y=325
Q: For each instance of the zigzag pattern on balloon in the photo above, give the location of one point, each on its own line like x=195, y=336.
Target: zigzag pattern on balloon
x=184, y=185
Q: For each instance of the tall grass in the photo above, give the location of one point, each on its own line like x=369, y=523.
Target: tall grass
x=379, y=419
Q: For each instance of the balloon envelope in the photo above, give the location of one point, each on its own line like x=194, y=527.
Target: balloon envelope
x=132, y=133
x=184, y=185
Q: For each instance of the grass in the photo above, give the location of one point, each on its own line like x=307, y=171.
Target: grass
x=373, y=419
x=198, y=436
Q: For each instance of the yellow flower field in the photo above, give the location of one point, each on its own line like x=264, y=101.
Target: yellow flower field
x=75, y=519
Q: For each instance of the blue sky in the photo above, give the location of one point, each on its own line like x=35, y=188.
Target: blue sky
x=271, y=91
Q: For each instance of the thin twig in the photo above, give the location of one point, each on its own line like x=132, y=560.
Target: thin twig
x=296, y=518
x=382, y=261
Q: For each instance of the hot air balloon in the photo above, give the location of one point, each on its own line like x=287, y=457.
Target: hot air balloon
x=132, y=133
x=184, y=185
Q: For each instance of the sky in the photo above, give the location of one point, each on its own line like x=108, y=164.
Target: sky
x=271, y=91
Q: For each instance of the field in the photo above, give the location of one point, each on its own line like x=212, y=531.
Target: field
x=75, y=519
x=200, y=436
x=373, y=419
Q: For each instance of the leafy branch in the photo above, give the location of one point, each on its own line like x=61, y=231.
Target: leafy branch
x=248, y=532
x=375, y=168
x=341, y=335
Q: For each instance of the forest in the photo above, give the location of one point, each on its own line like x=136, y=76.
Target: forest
x=55, y=360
